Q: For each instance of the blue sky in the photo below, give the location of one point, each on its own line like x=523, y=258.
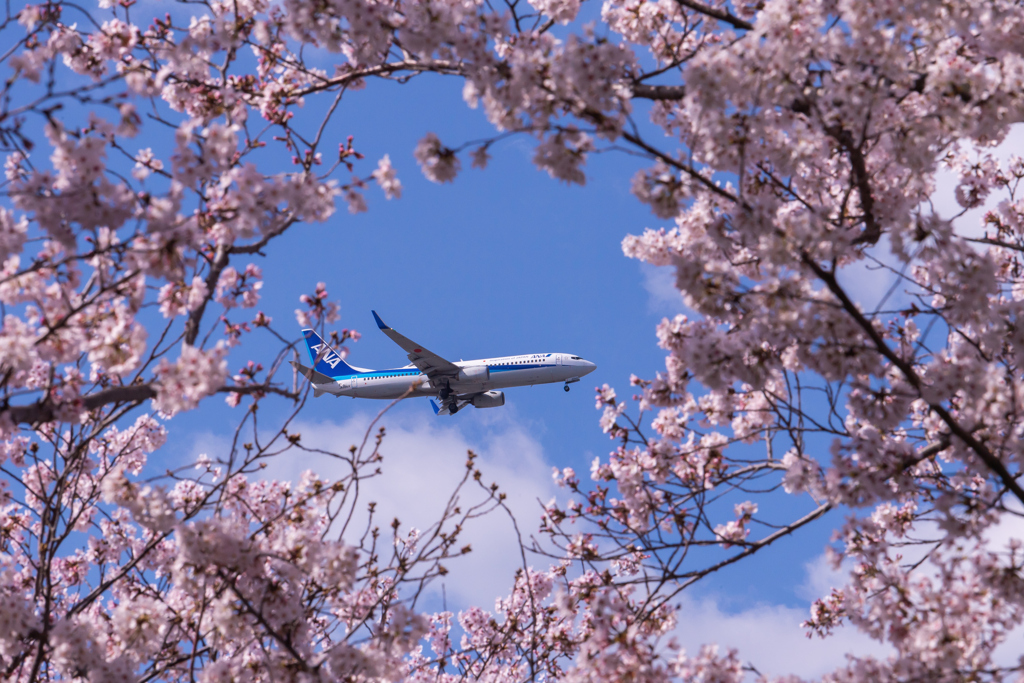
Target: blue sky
x=502, y=261
x=506, y=261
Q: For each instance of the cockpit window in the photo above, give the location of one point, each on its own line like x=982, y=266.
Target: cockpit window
x=576, y=358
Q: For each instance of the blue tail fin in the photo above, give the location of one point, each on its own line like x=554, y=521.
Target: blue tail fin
x=330, y=362
x=434, y=406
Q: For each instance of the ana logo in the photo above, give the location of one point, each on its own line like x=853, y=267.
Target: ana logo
x=331, y=358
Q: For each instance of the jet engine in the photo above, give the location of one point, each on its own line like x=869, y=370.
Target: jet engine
x=474, y=373
x=489, y=399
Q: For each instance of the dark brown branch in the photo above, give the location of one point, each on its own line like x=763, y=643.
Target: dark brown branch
x=46, y=411
x=751, y=548
x=990, y=459
x=685, y=168
x=659, y=92
x=217, y=265
x=257, y=247
x=872, y=231
x=721, y=15
x=435, y=66
x=258, y=389
x=995, y=243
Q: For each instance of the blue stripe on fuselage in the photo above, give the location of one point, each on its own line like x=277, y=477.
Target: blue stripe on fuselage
x=380, y=373
x=415, y=373
x=383, y=373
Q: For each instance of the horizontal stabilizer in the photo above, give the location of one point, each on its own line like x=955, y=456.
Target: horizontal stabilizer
x=311, y=374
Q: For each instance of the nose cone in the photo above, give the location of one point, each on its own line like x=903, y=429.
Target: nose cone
x=588, y=367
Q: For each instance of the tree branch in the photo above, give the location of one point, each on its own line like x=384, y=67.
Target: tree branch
x=258, y=389
x=659, y=92
x=994, y=243
x=721, y=15
x=217, y=265
x=990, y=459
x=751, y=548
x=437, y=66
x=47, y=411
x=861, y=178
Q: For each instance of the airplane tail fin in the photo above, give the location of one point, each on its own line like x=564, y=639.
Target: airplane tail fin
x=326, y=361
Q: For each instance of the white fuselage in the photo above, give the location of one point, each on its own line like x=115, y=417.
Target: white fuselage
x=476, y=376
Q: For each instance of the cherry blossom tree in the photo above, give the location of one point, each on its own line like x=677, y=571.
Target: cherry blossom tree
x=790, y=144
x=130, y=282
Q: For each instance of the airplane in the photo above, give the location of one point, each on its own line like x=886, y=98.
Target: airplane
x=456, y=385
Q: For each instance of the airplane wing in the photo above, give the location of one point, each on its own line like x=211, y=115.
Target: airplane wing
x=429, y=363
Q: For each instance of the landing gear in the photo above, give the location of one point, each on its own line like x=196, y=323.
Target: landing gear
x=454, y=408
x=566, y=387
x=445, y=392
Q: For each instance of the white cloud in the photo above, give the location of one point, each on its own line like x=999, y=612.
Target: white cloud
x=769, y=637
x=870, y=281
x=822, y=578
x=662, y=295
x=1008, y=530
x=944, y=202
x=423, y=460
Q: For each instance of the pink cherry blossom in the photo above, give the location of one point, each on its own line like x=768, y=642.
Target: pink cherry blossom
x=438, y=162
x=786, y=145
x=195, y=375
x=386, y=176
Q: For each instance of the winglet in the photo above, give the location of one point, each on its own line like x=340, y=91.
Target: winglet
x=380, y=323
x=434, y=406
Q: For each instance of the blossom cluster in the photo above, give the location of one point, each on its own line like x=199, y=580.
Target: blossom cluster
x=790, y=144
